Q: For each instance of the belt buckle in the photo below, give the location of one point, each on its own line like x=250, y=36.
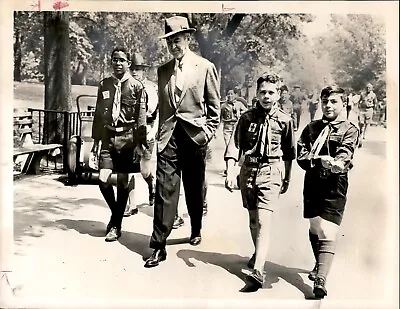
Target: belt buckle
x=252, y=160
x=119, y=129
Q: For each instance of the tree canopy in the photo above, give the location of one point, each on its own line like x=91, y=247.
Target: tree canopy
x=242, y=46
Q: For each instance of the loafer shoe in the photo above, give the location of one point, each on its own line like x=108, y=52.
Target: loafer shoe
x=319, y=288
x=256, y=278
x=158, y=256
x=130, y=212
x=178, y=222
x=113, y=234
x=195, y=241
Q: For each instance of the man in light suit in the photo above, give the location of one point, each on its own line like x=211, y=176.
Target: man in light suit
x=189, y=113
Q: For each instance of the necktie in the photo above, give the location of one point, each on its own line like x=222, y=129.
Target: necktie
x=117, y=102
x=178, y=80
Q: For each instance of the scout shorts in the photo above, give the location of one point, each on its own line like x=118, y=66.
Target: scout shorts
x=260, y=186
x=325, y=196
x=228, y=131
x=118, y=152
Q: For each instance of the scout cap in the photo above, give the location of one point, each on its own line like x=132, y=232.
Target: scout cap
x=327, y=91
x=176, y=24
x=138, y=61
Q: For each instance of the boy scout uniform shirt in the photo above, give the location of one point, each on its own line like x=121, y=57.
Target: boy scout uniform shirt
x=368, y=101
x=152, y=104
x=133, y=106
x=231, y=111
x=342, y=140
x=249, y=130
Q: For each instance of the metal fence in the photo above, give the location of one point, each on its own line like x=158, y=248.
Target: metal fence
x=68, y=122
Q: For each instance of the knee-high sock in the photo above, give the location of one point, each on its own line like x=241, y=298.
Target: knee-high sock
x=314, y=240
x=122, y=198
x=108, y=194
x=325, y=257
x=149, y=181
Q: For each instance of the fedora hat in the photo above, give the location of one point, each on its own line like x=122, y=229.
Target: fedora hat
x=176, y=24
x=138, y=61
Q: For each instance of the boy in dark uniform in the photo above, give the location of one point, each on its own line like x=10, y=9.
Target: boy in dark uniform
x=325, y=150
x=263, y=137
x=120, y=124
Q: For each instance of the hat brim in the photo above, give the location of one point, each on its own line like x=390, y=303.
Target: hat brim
x=175, y=32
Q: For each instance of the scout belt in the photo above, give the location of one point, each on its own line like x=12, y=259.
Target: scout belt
x=257, y=160
x=119, y=129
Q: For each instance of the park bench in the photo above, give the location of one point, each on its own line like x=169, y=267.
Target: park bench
x=26, y=153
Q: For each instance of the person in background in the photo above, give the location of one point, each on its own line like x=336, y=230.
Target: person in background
x=367, y=104
x=312, y=102
x=325, y=151
x=120, y=124
x=297, y=97
x=231, y=110
x=138, y=70
x=263, y=137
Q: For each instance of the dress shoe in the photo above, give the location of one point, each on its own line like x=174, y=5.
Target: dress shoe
x=195, y=241
x=158, y=256
x=313, y=274
x=178, y=222
x=256, y=278
x=130, y=212
x=113, y=234
x=252, y=261
x=319, y=288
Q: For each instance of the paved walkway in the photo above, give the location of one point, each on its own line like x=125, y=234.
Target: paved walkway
x=61, y=259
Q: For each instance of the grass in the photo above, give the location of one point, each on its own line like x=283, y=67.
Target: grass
x=31, y=95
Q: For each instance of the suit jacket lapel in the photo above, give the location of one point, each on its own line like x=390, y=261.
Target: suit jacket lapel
x=170, y=72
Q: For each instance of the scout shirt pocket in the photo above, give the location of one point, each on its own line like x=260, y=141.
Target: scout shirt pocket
x=251, y=134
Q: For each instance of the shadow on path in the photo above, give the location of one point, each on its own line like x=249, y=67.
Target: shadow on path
x=234, y=264
x=135, y=242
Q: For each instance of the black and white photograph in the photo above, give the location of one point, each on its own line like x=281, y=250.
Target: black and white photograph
x=199, y=154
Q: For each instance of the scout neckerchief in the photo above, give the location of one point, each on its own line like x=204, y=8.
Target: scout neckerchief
x=117, y=97
x=323, y=136
x=265, y=135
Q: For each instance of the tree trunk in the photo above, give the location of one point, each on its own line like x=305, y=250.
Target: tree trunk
x=17, y=56
x=57, y=75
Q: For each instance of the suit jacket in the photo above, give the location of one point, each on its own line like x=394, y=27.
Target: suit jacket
x=198, y=110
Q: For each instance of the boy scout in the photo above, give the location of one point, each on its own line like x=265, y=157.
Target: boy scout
x=120, y=124
x=138, y=70
x=366, y=107
x=231, y=110
x=264, y=136
x=325, y=150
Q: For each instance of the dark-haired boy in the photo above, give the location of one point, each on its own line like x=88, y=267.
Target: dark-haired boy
x=264, y=136
x=325, y=150
x=120, y=124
